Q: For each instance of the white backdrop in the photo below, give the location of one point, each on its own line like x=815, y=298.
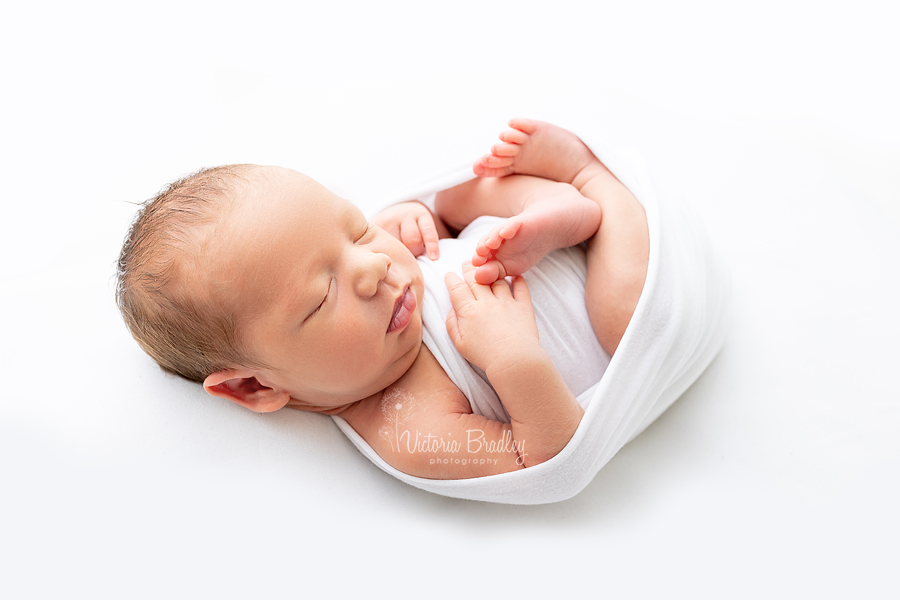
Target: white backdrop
x=775, y=475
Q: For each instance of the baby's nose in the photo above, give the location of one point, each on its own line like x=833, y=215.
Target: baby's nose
x=372, y=272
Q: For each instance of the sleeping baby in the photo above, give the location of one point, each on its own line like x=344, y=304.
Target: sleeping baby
x=274, y=292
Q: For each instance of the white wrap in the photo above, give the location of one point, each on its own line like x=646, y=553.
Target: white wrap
x=556, y=285
x=678, y=326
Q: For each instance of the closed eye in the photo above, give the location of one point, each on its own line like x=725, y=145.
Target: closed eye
x=321, y=304
x=364, y=233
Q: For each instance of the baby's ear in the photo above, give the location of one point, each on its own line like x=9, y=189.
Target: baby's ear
x=241, y=386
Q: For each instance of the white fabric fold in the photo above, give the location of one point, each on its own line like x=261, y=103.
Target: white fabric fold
x=556, y=285
x=678, y=327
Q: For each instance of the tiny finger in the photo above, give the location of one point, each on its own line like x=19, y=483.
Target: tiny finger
x=501, y=288
x=469, y=271
x=452, y=324
x=410, y=235
x=429, y=236
x=520, y=289
x=459, y=290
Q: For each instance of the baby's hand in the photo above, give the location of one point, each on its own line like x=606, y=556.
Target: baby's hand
x=493, y=325
x=413, y=224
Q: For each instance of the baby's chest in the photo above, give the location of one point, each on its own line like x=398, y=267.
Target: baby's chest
x=424, y=388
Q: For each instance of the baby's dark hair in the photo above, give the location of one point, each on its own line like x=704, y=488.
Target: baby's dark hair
x=184, y=332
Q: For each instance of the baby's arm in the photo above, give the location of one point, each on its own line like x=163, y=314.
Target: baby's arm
x=493, y=327
x=424, y=426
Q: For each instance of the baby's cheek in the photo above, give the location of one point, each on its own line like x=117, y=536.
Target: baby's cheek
x=360, y=344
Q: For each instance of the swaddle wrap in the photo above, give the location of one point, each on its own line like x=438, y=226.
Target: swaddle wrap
x=556, y=285
x=678, y=326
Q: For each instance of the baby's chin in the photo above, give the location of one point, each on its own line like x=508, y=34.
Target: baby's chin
x=391, y=375
x=405, y=362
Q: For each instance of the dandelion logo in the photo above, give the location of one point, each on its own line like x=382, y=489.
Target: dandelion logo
x=397, y=406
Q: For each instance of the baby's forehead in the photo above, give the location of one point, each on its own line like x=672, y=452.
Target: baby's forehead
x=280, y=220
x=274, y=202
x=269, y=183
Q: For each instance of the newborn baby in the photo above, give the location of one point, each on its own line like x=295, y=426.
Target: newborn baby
x=273, y=292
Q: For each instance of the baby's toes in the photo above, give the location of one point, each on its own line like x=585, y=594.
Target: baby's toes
x=494, y=240
x=526, y=126
x=509, y=229
x=505, y=149
x=482, y=250
x=482, y=170
x=514, y=136
x=480, y=259
x=489, y=273
x=496, y=162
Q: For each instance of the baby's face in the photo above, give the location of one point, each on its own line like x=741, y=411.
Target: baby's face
x=330, y=304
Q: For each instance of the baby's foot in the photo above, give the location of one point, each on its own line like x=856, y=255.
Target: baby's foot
x=541, y=149
x=562, y=220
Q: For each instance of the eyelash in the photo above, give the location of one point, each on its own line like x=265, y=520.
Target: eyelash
x=328, y=291
x=365, y=233
x=322, y=303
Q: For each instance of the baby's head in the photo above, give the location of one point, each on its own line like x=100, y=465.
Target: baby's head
x=270, y=290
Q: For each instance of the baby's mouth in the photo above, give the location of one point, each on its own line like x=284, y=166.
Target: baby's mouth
x=403, y=311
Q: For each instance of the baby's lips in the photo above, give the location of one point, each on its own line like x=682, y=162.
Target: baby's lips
x=403, y=310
